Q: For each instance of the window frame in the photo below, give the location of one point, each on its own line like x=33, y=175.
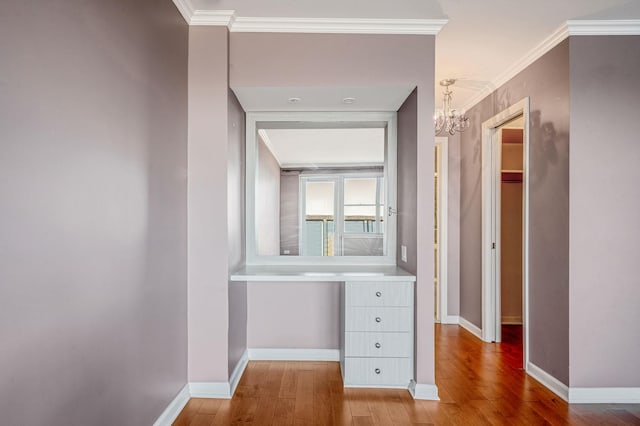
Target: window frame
x=338, y=180
x=265, y=120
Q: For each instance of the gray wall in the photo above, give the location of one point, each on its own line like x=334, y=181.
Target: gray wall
x=208, y=204
x=407, y=182
x=93, y=157
x=546, y=82
x=322, y=60
x=236, y=230
x=605, y=207
x=289, y=223
x=305, y=316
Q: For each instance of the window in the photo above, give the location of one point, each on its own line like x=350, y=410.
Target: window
x=343, y=214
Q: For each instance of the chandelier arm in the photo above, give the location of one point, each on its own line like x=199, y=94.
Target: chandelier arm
x=449, y=119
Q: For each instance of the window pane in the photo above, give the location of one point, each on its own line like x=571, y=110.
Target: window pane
x=319, y=200
x=314, y=235
x=360, y=219
x=360, y=190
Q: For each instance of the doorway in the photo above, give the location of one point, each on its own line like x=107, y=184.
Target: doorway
x=440, y=236
x=505, y=195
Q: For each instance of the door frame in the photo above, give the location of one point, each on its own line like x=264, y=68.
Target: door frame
x=491, y=178
x=443, y=234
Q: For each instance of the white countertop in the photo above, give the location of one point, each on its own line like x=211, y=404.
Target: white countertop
x=321, y=273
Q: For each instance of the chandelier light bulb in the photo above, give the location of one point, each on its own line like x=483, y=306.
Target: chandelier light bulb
x=447, y=119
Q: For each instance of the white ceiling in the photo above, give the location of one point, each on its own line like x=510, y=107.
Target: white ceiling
x=322, y=98
x=481, y=40
x=325, y=147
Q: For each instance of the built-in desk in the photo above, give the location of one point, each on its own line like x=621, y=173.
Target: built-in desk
x=321, y=273
x=377, y=321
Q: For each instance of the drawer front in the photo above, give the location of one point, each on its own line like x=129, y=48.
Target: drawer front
x=367, y=344
x=378, y=319
x=377, y=371
x=379, y=294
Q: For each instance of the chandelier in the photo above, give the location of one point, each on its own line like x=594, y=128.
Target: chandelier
x=448, y=120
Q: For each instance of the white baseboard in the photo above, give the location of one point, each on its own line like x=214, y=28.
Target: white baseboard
x=604, y=395
x=421, y=391
x=210, y=390
x=550, y=382
x=294, y=354
x=451, y=319
x=471, y=328
x=174, y=408
x=237, y=372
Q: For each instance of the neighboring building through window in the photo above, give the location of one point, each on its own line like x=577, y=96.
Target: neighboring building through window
x=343, y=214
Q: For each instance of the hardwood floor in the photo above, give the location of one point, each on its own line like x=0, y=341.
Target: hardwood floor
x=478, y=383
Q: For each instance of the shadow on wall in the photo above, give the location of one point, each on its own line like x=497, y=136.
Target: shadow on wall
x=544, y=142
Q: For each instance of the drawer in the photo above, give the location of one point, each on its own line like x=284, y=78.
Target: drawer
x=378, y=294
x=367, y=344
x=377, y=371
x=378, y=319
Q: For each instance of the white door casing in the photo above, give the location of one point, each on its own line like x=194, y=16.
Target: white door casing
x=491, y=178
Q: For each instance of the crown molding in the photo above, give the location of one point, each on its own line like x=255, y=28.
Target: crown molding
x=185, y=9
x=267, y=141
x=223, y=18
x=568, y=28
x=245, y=24
x=338, y=25
x=534, y=54
x=604, y=27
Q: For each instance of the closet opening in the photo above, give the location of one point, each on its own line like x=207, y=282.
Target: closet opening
x=505, y=228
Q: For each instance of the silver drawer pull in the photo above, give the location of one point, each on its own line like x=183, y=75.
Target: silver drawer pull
x=378, y=294
x=378, y=319
x=377, y=370
x=378, y=345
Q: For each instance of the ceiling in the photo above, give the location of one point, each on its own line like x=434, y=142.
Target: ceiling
x=312, y=148
x=481, y=40
x=322, y=98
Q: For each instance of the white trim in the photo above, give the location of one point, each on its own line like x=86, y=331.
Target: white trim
x=301, y=119
x=451, y=319
x=222, y=18
x=530, y=57
x=347, y=385
x=569, y=28
x=267, y=141
x=220, y=390
x=471, y=328
x=336, y=166
x=423, y=391
x=604, y=395
x=604, y=27
x=235, y=23
x=238, y=371
x=443, y=231
x=491, y=315
x=185, y=9
x=548, y=381
x=337, y=25
x=174, y=408
x=269, y=354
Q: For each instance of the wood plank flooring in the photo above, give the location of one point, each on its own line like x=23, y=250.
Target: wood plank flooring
x=479, y=384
